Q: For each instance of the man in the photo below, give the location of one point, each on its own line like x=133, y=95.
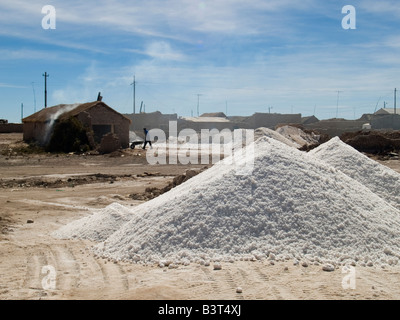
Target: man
x=146, y=138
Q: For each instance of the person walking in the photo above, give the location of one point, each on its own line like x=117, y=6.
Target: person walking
x=147, y=139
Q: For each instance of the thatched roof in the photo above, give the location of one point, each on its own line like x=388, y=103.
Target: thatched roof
x=65, y=111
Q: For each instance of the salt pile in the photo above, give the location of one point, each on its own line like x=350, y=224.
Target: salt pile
x=380, y=179
x=98, y=226
x=266, y=132
x=293, y=206
x=298, y=136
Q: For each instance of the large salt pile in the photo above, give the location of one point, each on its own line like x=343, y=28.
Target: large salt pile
x=380, y=179
x=292, y=206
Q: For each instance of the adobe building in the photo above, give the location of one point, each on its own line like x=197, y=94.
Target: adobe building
x=97, y=115
x=386, y=119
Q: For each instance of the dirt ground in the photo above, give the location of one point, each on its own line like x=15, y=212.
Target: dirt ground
x=40, y=193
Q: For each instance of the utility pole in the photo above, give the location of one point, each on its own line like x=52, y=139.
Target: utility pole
x=337, y=103
x=134, y=94
x=395, y=98
x=269, y=109
x=45, y=88
x=22, y=111
x=198, y=103
x=226, y=108
x=34, y=98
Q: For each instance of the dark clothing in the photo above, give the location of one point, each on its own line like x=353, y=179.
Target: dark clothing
x=146, y=139
x=145, y=143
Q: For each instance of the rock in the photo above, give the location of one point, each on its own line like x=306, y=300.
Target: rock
x=271, y=256
x=29, y=221
x=239, y=290
x=191, y=173
x=304, y=264
x=328, y=267
x=217, y=266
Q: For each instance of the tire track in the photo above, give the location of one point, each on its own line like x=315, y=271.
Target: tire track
x=34, y=279
x=215, y=289
x=68, y=269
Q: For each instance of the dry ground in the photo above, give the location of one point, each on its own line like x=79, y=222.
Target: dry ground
x=53, y=190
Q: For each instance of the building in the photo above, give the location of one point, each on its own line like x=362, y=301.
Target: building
x=386, y=111
x=271, y=120
x=97, y=116
x=204, y=122
x=151, y=120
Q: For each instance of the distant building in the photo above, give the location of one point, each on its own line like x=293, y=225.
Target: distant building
x=387, y=111
x=214, y=115
x=309, y=120
x=151, y=120
x=98, y=116
x=204, y=122
x=271, y=120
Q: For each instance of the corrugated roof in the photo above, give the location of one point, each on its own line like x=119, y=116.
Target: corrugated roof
x=65, y=111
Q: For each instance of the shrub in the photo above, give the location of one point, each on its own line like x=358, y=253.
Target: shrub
x=69, y=136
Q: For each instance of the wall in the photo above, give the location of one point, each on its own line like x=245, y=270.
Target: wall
x=37, y=131
x=11, y=127
x=198, y=126
x=271, y=120
x=386, y=122
x=100, y=115
x=336, y=127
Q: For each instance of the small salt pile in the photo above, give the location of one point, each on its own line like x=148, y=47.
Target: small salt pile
x=266, y=132
x=98, y=226
x=294, y=205
x=380, y=179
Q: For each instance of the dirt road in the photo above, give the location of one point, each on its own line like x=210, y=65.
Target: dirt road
x=40, y=193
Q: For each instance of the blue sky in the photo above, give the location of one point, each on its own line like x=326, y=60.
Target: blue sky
x=286, y=56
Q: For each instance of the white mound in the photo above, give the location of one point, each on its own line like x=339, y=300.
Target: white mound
x=298, y=136
x=98, y=226
x=293, y=205
x=266, y=132
x=380, y=179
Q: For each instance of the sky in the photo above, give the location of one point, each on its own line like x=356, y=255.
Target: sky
x=191, y=57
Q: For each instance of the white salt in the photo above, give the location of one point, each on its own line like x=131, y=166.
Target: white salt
x=293, y=204
x=266, y=132
x=380, y=179
x=98, y=226
x=298, y=136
